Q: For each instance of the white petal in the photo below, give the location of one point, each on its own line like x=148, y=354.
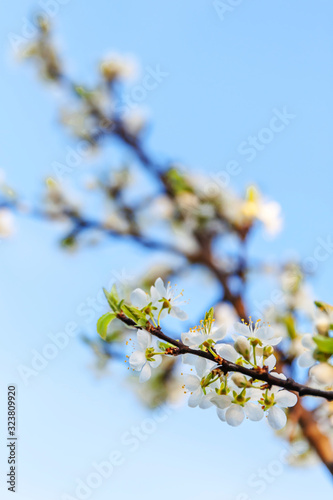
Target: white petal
x=144, y=339
x=192, y=382
x=137, y=360
x=234, y=415
x=221, y=401
x=187, y=338
x=159, y=285
x=188, y=359
x=264, y=333
x=277, y=419
x=178, y=313
x=305, y=360
x=139, y=298
x=195, y=398
x=157, y=362
x=145, y=373
x=242, y=329
x=253, y=411
x=273, y=341
x=270, y=362
x=308, y=342
x=254, y=393
x=285, y=398
x=197, y=339
x=227, y=352
x=206, y=402
x=204, y=369
x=200, y=364
x=221, y=414
x=155, y=296
x=219, y=334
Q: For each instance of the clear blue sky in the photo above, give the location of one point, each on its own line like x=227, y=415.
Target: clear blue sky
x=225, y=79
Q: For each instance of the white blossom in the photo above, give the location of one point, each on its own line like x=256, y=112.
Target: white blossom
x=306, y=359
x=205, y=332
x=199, y=391
x=258, y=330
x=236, y=407
x=169, y=302
x=144, y=359
x=274, y=400
x=140, y=298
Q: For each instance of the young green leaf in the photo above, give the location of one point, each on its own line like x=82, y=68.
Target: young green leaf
x=103, y=323
x=112, y=298
x=323, y=306
x=325, y=344
x=209, y=316
x=135, y=314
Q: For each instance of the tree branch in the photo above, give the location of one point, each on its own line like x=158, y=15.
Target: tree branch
x=227, y=366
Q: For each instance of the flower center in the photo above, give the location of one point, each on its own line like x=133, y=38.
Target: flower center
x=150, y=354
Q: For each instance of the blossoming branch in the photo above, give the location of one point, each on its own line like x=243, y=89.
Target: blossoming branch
x=237, y=378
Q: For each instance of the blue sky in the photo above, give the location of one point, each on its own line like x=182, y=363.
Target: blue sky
x=225, y=78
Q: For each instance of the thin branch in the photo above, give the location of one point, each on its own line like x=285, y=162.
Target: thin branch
x=227, y=366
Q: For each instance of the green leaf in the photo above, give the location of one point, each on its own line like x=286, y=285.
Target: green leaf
x=103, y=323
x=323, y=306
x=209, y=316
x=113, y=298
x=325, y=344
x=135, y=314
x=163, y=346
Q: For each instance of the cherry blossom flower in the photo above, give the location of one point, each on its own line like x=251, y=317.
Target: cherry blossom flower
x=258, y=330
x=200, y=386
x=274, y=400
x=144, y=358
x=169, y=301
x=306, y=359
x=205, y=332
x=236, y=407
x=140, y=298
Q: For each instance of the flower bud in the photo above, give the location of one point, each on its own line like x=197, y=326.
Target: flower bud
x=242, y=346
x=240, y=380
x=268, y=350
x=323, y=373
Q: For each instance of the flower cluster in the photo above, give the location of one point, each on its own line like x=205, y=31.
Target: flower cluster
x=230, y=376
x=237, y=396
